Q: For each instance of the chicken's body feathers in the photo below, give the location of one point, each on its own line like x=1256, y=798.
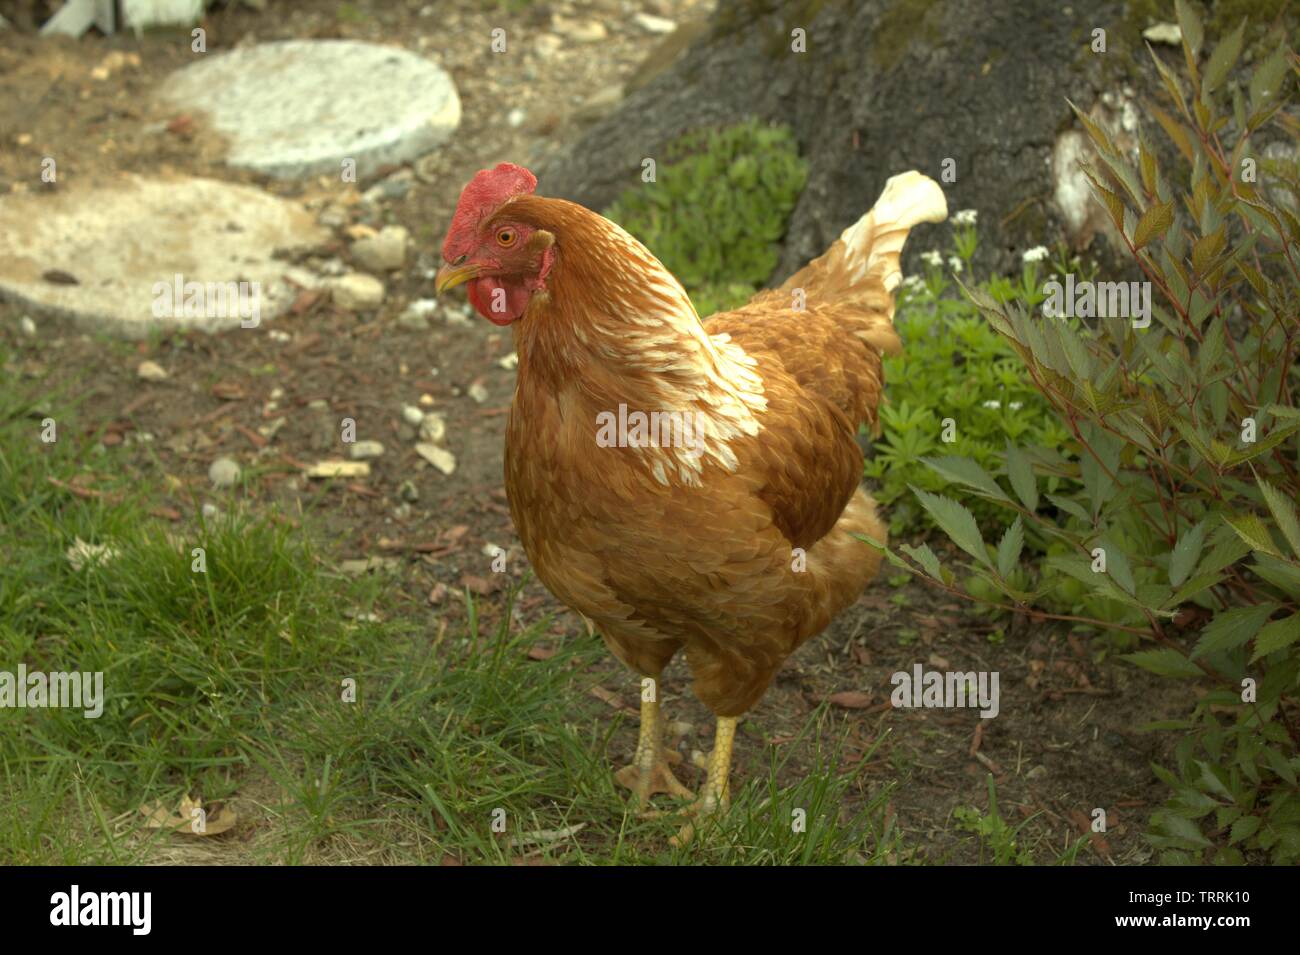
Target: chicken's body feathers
x=740, y=550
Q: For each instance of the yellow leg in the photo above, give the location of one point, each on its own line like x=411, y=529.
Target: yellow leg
x=649, y=772
x=715, y=798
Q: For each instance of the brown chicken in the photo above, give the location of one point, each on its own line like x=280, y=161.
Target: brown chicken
x=686, y=485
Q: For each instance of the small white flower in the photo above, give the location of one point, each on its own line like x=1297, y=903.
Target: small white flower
x=1037, y=254
x=955, y=263
x=965, y=217
x=914, y=283
x=1016, y=405
x=993, y=404
x=933, y=257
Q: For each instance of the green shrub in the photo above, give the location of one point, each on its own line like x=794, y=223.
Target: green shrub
x=1181, y=501
x=718, y=209
x=953, y=366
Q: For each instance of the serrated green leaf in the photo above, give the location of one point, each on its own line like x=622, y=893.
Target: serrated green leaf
x=1164, y=662
x=1253, y=532
x=1013, y=541
x=1275, y=635
x=1095, y=132
x=957, y=523
x=1232, y=628
x=1268, y=78
x=1022, y=478
x=1227, y=550
x=1155, y=222
x=1278, y=572
x=1280, y=765
x=1284, y=513
x=1183, y=830
x=1222, y=60
x=1211, y=349
x=925, y=557
x=1186, y=553
x=1275, y=437
x=1149, y=168
x=1112, y=203
x=968, y=472
x=1196, y=585
x=1070, y=507
x=1174, y=130
x=1212, y=783
x=1117, y=566
x=1243, y=828
x=1189, y=24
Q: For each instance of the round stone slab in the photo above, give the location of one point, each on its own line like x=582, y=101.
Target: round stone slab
x=302, y=107
x=138, y=254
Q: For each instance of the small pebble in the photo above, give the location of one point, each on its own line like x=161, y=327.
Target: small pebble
x=150, y=371
x=224, y=472
x=365, y=450
x=440, y=458
x=433, y=429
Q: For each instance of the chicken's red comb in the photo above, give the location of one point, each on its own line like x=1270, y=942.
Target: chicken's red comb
x=484, y=194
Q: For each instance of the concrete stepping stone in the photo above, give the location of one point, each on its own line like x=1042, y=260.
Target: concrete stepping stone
x=300, y=108
x=138, y=254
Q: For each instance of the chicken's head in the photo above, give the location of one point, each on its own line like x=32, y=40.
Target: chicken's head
x=504, y=261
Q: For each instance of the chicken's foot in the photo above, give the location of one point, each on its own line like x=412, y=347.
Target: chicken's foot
x=650, y=772
x=715, y=797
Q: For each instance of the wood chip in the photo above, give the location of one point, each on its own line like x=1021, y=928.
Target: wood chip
x=339, y=469
x=850, y=700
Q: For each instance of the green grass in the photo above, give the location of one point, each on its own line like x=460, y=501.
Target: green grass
x=227, y=685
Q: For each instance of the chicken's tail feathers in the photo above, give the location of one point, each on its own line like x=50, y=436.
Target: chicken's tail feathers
x=862, y=265
x=874, y=243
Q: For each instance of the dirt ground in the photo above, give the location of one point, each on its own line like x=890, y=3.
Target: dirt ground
x=1066, y=739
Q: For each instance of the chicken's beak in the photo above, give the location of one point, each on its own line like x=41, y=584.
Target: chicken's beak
x=449, y=276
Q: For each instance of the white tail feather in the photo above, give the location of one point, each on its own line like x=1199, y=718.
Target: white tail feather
x=873, y=243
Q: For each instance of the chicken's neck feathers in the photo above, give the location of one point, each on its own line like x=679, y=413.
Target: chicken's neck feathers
x=615, y=328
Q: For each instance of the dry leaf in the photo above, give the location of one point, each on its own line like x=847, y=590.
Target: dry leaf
x=229, y=391
x=613, y=699
x=190, y=818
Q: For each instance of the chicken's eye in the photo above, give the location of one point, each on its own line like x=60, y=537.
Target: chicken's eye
x=506, y=237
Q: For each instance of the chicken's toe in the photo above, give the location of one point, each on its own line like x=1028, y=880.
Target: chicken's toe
x=656, y=778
